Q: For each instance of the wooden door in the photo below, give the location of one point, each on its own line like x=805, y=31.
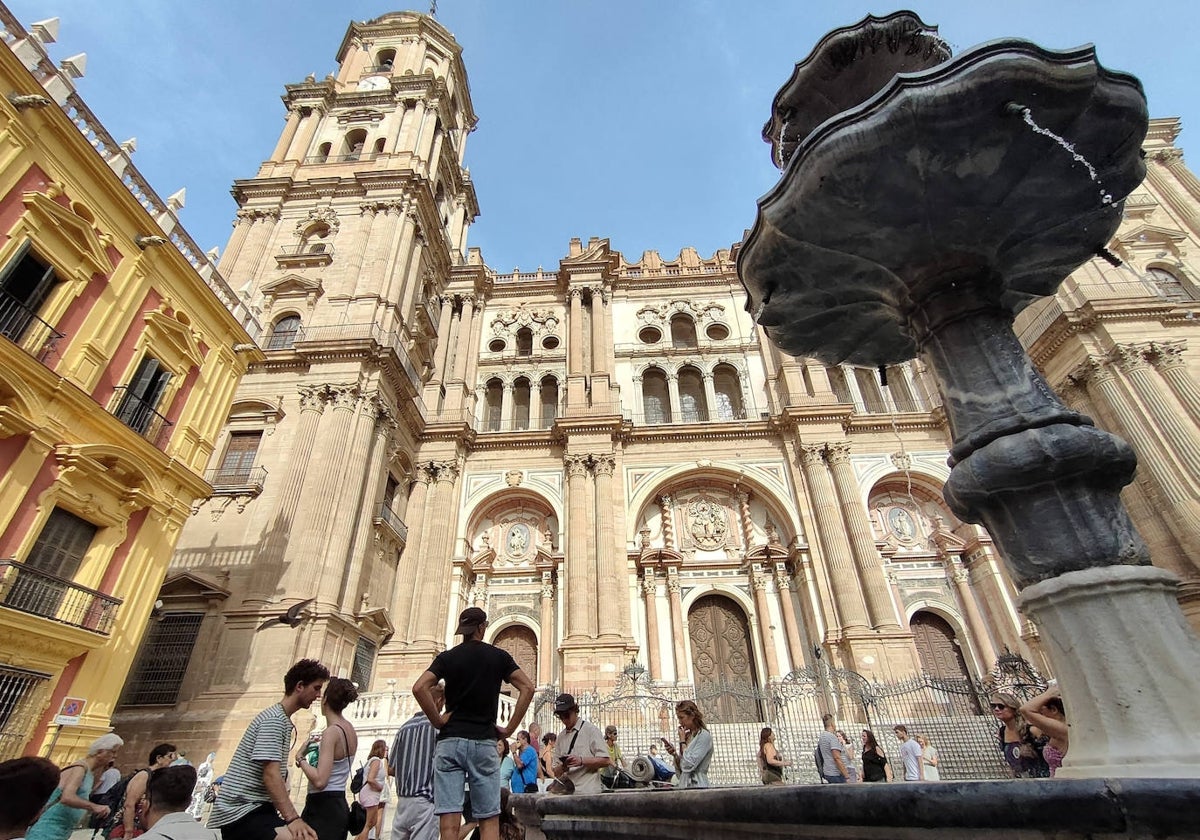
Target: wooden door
x=722, y=660
x=940, y=652
x=521, y=643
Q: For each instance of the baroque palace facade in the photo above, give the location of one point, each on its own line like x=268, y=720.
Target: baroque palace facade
x=120, y=351
x=606, y=456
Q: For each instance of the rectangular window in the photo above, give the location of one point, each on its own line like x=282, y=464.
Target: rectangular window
x=163, y=660
x=389, y=493
x=868, y=386
x=25, y=283
x=238, y=461
x=22, y=696
x=364, y=664
x=51, y=564
x=139, y=402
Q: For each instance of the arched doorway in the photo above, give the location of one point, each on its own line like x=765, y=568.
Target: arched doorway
x=722, y=661
x=521, y=643
x=940, y=651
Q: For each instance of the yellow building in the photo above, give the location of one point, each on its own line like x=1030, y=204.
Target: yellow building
x=120, y=349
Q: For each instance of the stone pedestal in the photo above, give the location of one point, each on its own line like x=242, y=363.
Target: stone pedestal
x=1100, y=626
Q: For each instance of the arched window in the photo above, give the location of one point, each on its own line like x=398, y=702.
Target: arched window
x=323, y=152
x=868, y=386
x=549, y=398
x=837, y=382
x=379, y=144
x=693, y=405
x=524, y=342
x=521, y=396
x=901, y=393
x=683, y=331
x=355, y=143
x=495, y=405
x=284, y=333
x=656, y=398
x=315, y=239
x=1167, y=285
x=728, y=387
x=385, y=59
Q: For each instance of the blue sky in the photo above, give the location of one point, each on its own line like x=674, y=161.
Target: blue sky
x=637, y=121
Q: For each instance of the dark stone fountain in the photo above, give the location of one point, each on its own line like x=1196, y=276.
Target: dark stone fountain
x=925, y=201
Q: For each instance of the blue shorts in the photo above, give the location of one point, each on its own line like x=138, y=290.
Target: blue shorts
x=458, y=760
x=836, y=779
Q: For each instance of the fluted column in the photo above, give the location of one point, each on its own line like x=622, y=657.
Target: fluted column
x=242, y=224
x=579, y=604
x=434, y=600
x=613, y=612
x=267, y=566
x=597, y=330
x=1167, y=356
x=285, y=139
x=674, y=595
x=443, y=345
x=355, y=582
x=1171, y=160
x=673, y=393
x=411, y=128
x=649, y=589
x=966, y=600
x=606, y=323
x=760, y=580
x=546, y=643
x=710, y=396
x=466, y=329
x=310, y=119
x=846, y=594
x=416, y=515
x=364, y=237
x=791, y=626
x=862, y=542
x=1178, y=433
x=1184, y=518
x=575, y=329
x=257, y=242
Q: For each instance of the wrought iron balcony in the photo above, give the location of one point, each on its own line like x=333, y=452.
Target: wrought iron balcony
x=349, y=157
x=236, y=482
x=21, y=325
x=29, y=590
x=139, y=415
x=378, y=68
x=305, y=254
x=388, y=518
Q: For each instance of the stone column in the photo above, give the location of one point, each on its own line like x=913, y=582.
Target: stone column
x=257, y=242
x=612, y=589
x=1147, y=387
x=966, y=600
x=443, y=345
x=759, y=580
x=506, y=407
x=746, y=522
x=866, y=556
x=668, y=521
x=467, y=326
x=607, y=327
x=673, y=392
x=311, y=119
x=578, y=575
x=267, y=568
x=433, y=600
x=1167, y=356
x=360, y=243
x=285, y=139
x=411, y=127
x=237, y=240
x=575, y=328
x=599, y=361
x=384, y=423
x=479, y=592
x=847, y=599
x=677, y=629
x=791, y=627
x=1171, y=160
x=650, y=596
x=415, y=515
x=710, y=396
x=546, y=643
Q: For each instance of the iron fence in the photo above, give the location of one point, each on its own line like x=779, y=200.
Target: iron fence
x=23, y=696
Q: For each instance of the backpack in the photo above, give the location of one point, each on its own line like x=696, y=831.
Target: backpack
x=114, y=798
x=819, y=761
x=356, y=783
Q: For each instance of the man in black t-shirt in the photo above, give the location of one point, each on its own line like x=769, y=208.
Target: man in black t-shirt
x=467, y=730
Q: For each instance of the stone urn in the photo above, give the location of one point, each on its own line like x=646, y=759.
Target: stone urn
x=925, y=200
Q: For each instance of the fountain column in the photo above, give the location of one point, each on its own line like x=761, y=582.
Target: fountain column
x=847, y=598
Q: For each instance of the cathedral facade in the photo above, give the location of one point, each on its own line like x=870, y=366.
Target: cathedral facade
x=606, y=456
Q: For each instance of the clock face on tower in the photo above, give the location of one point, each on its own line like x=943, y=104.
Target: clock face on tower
x=373, y=83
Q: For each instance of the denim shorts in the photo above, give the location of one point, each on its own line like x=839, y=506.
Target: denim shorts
x=456, y=760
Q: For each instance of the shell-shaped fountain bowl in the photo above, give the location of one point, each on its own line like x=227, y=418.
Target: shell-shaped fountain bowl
x=938, y=180
x=846, y=68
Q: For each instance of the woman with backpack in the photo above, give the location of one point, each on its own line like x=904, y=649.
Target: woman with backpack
x=374, y=778
x=325, y=809
x=127, y=798
x=69, y=802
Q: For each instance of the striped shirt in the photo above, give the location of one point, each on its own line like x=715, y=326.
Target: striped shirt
x=412, y=757
x=268, y=738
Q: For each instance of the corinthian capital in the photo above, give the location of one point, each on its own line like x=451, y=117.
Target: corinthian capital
x=812, y=454
x=344, y=396
x=1129, y=356
x=837, y=452
x=312, y=398
x=576, y=464
x=1167, y=354
x=1169, y=155
x=604, y=464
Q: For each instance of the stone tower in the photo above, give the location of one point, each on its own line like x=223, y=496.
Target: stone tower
x=344, y=241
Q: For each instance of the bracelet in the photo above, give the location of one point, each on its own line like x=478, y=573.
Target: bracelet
x=292, y=820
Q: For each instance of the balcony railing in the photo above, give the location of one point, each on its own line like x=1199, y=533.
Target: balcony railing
x=36, y=592
x=388, y=517
x=139, y=415
x=698, y=415
x=21, y=325
x=377, y=68
x=346, y=158
x=241, y=481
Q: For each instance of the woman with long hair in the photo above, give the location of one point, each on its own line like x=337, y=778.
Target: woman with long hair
x=374, y=778
x=325, y=809
x=770, y=762
x=1019, y=742
x=695, y=746
x=1047, y=713
x=929, y=758
x=507, y=765
x=875, y=765
x=69, y=801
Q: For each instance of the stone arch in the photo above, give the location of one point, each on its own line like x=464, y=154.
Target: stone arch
x=524, y=644
x=950, y=617
x=895, y=518
x=285, y=328
x=497, y=503
x=723, y=648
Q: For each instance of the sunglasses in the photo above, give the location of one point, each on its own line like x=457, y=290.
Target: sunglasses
x=998, y=707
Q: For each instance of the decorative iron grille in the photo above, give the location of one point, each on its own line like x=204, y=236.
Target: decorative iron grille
x=163, y=660
x=364, y=664
x=23, y=695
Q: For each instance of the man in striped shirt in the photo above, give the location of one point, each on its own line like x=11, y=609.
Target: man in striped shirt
x=254, y=803
x=412, y=765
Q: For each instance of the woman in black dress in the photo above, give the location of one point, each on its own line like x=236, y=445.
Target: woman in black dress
x=875, y=767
